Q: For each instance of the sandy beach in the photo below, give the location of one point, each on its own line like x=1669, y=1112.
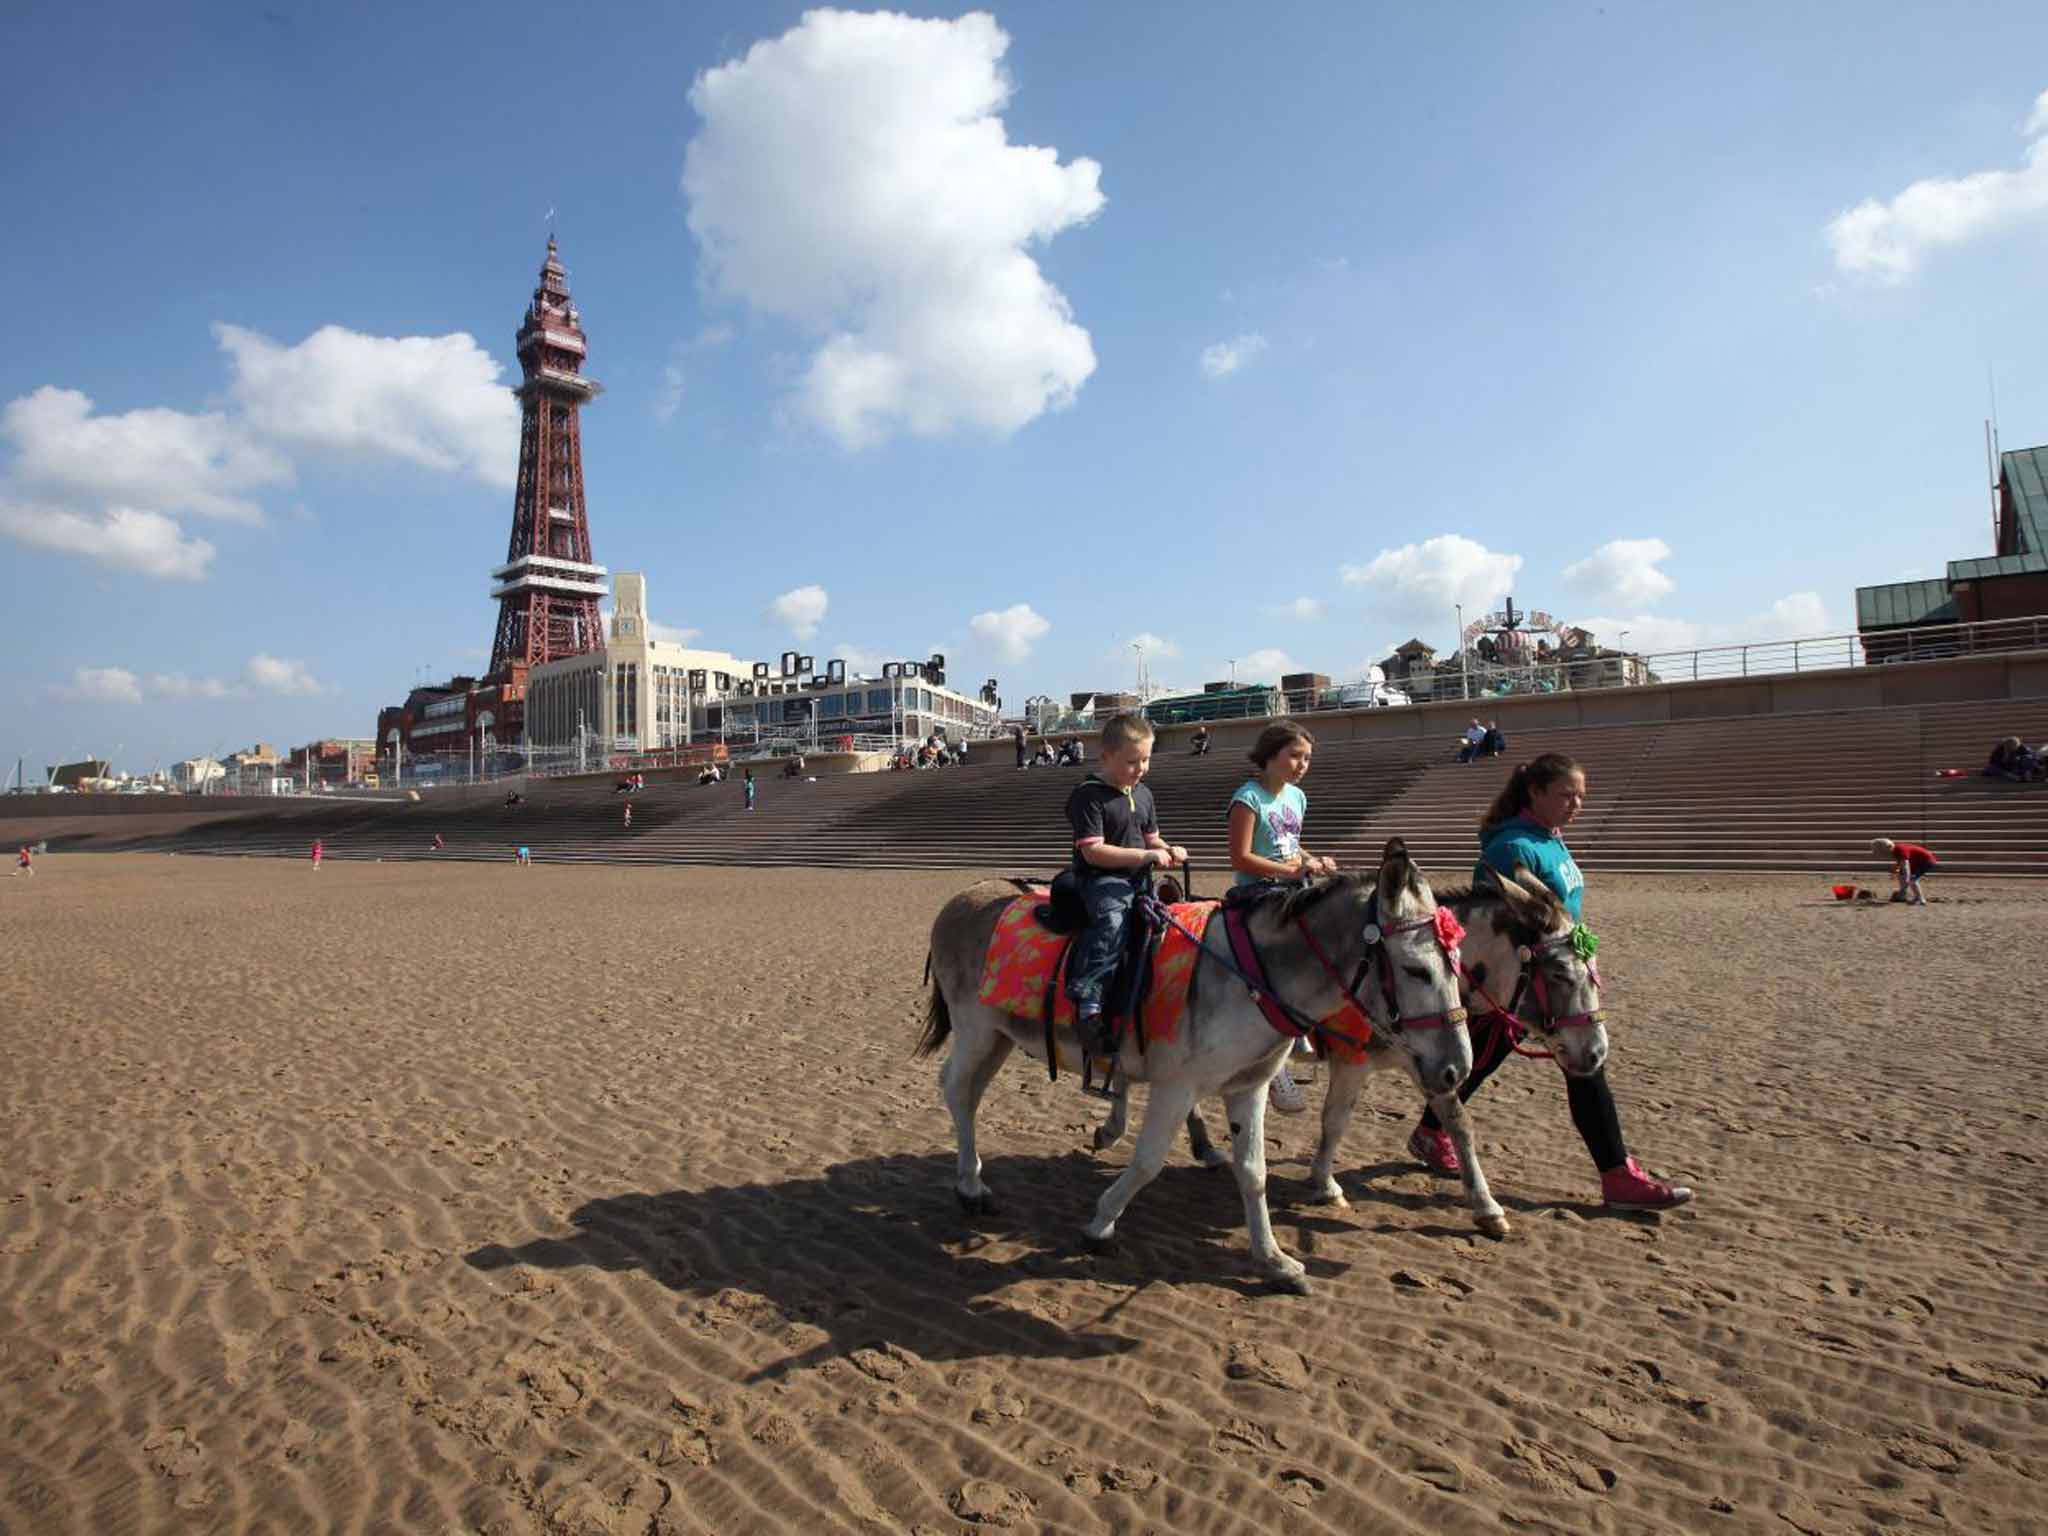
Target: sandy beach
x=463, y=1198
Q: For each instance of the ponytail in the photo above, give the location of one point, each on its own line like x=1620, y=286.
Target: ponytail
x=1513, y=799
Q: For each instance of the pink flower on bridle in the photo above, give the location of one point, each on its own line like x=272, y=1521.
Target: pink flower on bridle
x=1449, y=931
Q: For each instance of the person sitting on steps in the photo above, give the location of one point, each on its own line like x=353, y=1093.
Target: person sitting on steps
x=1116, y=846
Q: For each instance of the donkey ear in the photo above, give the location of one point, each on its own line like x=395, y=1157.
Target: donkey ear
x=1398, y=877
x=1530, y=901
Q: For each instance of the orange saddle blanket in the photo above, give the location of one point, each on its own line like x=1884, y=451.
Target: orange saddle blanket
x=1022, y=954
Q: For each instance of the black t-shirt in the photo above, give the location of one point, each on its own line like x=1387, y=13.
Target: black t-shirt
x=1099, y=811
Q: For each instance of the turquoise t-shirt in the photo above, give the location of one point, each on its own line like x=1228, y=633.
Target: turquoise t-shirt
x=1521, y=841
x=1276, y=821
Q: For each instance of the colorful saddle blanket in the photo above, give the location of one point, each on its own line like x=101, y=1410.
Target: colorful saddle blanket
x=1018, y=972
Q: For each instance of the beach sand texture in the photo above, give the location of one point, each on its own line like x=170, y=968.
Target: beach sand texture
x=460, y=1198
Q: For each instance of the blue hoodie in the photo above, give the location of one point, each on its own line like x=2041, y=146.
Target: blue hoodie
x=1519, y=840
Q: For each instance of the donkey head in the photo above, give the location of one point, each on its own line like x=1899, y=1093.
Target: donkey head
x=1406, y=974
x=1559, y=986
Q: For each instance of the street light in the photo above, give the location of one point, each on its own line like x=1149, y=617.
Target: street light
x=1624, y=658
x=1233, y=671
x=1464, y=672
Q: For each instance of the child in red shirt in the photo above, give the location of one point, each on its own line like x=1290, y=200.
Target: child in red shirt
x=1909, y=862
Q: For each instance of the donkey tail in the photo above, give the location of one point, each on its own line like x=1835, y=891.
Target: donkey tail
x=938, y=1024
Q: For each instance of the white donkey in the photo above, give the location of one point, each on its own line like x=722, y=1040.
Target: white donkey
x=1307, y=942
x=1523, y=970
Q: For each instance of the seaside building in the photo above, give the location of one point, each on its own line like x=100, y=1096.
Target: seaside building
x=641, y=694
x=2011, y=583
x=198, y=775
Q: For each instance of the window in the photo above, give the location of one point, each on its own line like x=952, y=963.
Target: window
x=833, y=707
x=878, y=701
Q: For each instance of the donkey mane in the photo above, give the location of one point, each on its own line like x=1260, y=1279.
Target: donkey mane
x=1294, y=903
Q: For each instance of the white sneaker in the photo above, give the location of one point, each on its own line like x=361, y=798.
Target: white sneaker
x=1285, y=1095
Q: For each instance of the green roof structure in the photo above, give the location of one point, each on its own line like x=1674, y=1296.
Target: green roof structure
x=2022, y=550
x=2024, y=474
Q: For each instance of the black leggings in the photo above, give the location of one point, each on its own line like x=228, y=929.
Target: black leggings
x=1592, y=1101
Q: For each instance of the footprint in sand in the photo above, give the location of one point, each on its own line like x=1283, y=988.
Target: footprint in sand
x=1924, y=1451
x=981, y=1502
x=1300, y=1488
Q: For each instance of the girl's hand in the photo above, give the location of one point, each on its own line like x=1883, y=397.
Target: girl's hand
x=1176, y=854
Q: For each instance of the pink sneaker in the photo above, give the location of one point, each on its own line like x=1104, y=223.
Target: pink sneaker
x=1433, y=1149
x=1628, y=1188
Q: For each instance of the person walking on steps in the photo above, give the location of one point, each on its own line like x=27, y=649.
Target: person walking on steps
x=749, y=787
x=1525, y=826
x=1266, y=817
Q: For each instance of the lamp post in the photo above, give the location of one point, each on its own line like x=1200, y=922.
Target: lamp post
x=1624, y=659
x=1464, y=673
x=1233, y=671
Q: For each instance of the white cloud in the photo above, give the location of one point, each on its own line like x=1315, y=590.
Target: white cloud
x=1223, y=358
x=1887, y=240
x=275, y=674
x=1265, y=666
x=1302, y=608
x=1011, y=631
x=177, y=685
x=151, y=460
x=145, y=542
x=1622, y=571
x=106, y=685
x=1792, y=617
x=1435, y=574
x=1154, y=646
x=668, y=399
x=802, y=609
x=429, y=400
x=1795, y=616
x=854, y=176
x=671, y=634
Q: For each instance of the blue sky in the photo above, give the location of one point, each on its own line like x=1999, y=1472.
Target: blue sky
x=1297, y=325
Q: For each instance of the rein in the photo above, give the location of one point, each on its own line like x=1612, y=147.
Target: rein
x=1531, y=981
x=1289, y=1020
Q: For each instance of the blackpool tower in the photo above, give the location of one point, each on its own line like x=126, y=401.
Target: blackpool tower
x=548, y=589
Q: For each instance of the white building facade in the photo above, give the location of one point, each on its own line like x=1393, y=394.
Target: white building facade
x=640, y=694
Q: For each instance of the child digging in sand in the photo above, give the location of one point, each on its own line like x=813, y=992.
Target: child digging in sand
x=1909, y=862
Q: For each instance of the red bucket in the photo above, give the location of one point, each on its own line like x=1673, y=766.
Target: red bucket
x=1844, y=892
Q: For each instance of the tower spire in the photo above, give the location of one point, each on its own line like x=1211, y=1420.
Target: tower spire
x=547, y=590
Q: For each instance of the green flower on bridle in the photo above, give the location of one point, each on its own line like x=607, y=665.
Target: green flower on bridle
x=1584, y=945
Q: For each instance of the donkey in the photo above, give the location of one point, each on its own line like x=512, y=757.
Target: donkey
x=1514, y=928
x=1307, y=941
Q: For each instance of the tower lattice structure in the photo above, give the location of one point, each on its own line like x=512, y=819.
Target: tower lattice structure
x=548, y=588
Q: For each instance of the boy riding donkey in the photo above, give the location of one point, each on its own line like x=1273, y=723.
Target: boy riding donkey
x=1116, y=846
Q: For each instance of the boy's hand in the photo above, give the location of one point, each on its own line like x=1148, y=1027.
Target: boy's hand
x=1175, y=854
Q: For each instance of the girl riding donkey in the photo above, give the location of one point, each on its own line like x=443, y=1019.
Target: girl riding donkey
x=1307, y=944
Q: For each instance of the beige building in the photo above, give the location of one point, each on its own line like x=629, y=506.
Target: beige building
x=632, y=696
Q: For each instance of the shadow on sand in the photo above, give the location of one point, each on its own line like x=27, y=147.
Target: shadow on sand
x=876, y=1252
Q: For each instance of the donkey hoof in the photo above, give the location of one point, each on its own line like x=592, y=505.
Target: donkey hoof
x=983, y=1204
x=1215, y=1157
x=1102, y=1140
x=1494, y=1226
x=1093, y=1244
x=1329, y=1194
x=1293, y=1280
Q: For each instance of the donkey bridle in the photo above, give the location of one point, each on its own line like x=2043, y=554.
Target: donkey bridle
x=1375, y=936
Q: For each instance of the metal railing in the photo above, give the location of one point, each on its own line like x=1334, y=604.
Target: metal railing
x=1482, y=680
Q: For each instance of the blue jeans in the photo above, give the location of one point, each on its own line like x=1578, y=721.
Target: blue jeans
x=1100, y=945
